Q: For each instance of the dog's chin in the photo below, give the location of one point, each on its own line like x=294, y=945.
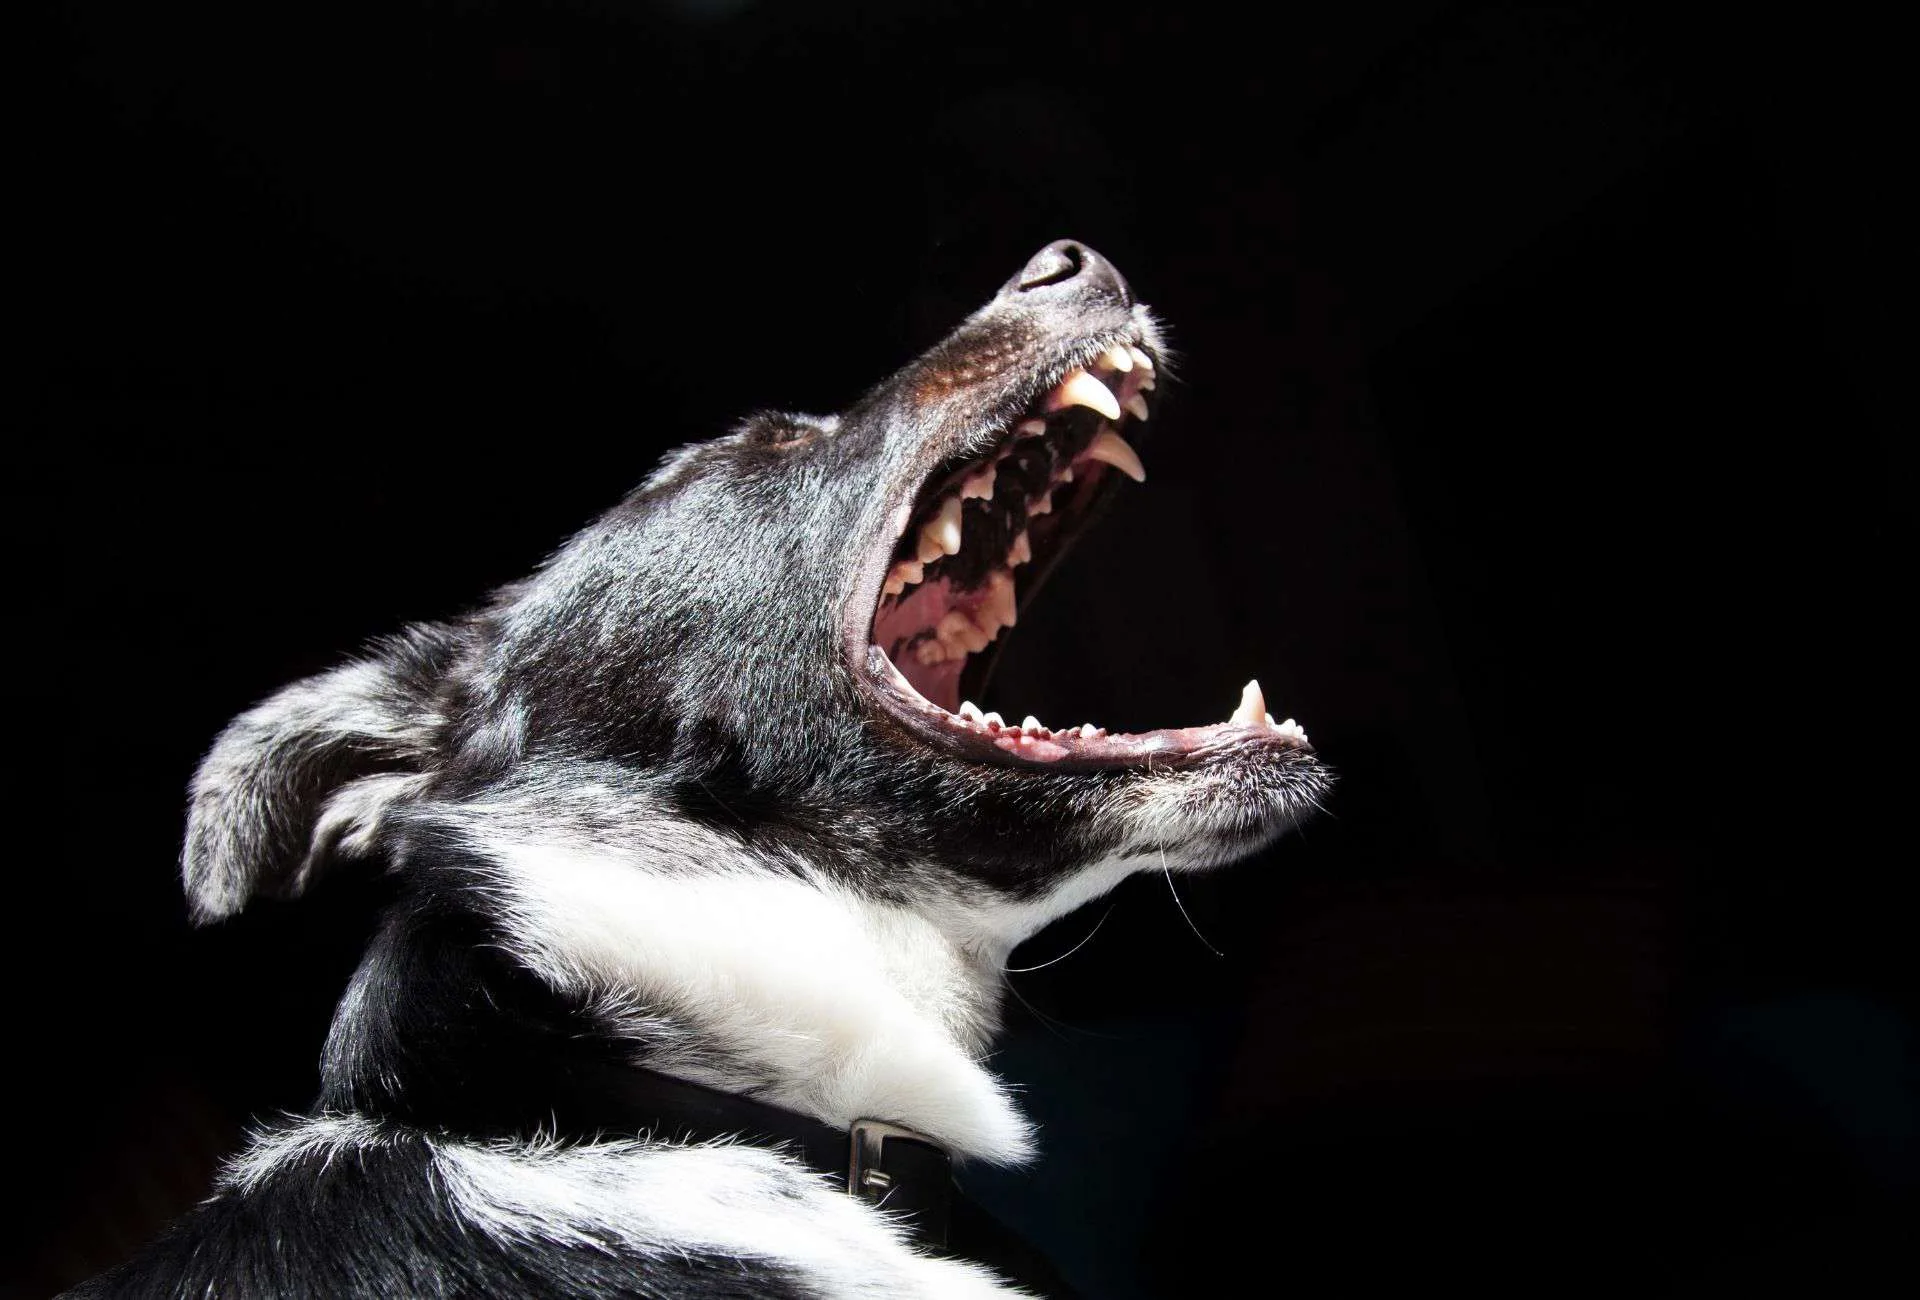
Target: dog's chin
x=971, y=544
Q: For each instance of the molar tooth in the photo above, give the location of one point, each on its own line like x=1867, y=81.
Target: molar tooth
x=1021, y=551
x=1117, y=358
x=1253, y=705
x=1137, y=406
x=903, y=574
x=979, y=485
x=1110, y=448
x=930, y=652
x=929, y=547
x=957, y=629
x=1001, y=604
x=1082, y=389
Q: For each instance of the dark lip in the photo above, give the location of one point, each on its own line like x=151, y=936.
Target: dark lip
x=1172, y=747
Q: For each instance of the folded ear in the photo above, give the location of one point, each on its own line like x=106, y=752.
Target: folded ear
x=308, y=774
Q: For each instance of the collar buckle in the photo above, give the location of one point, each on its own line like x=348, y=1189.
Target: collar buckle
x=902, y=1171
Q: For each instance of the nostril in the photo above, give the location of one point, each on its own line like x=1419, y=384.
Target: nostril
x=1053, y=264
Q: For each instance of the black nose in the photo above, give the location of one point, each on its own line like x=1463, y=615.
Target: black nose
x=1067, y=266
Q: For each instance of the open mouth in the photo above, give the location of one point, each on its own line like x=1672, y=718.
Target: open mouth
x=981, y=535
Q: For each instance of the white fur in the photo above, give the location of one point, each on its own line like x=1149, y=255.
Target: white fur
x=651, y=1200
x=850, y=1009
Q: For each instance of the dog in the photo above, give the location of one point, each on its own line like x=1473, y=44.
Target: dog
x=707, y=865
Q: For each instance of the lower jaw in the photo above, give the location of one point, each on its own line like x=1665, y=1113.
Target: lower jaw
x=988, y=736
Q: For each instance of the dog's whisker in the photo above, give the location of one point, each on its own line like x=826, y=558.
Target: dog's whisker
x=1168, y=873
x=1025, y=970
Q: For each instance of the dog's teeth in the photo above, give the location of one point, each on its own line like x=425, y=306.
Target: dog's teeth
x=1143, y=383
x=1291, y=728
x=1136, y=406
x=979, y=486
x=1117, y=358
x=1088, y=731
x=970, y=711
x=1002, y=602
x=943, y=529
x=993, y=721
x=904, y=574
x=892, y=586
x=957, y=629
x=1082, y=389
x=1253, y=705
x=929, y=549
x=1031, y=723
x=1140, y=358
x=1030, y=428
x=1040, y=505
x=1065, y=475
x=930, y=652
x=1110, y=448
x=1021, y=551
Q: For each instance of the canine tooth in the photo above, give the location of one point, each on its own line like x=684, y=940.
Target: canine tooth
x=1140, y=358
x=1082, y=389
x=993, y=721
x=979, y=486
x=1136, y=406
x=1021, y=551
x=1031, y=723
x=1253, y=705
x=1116, y=358
x=1110, y=448
x=1030, y=428
x=969, y=710
x=944, y=528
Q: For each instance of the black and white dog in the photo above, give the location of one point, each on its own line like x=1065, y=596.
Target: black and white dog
x=708, y=870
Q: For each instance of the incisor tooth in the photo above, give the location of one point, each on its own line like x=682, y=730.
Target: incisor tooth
x=1082, y=389
x=1110, y=448
x=1117, y=359
x=1137, y=406
x=1253, y=705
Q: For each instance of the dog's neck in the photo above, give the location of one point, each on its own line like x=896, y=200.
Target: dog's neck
x=767, y=978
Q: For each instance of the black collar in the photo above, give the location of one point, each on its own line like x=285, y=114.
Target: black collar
x=883, y=1164
x=880, y=1163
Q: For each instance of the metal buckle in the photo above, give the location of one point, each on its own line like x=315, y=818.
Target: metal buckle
x=867, y=1176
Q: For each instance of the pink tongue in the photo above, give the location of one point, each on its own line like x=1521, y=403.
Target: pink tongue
x=923, y=608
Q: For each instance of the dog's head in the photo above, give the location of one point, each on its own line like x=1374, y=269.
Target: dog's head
x=776, y=637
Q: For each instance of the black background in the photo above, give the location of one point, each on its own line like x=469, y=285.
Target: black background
x=1533, y=447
